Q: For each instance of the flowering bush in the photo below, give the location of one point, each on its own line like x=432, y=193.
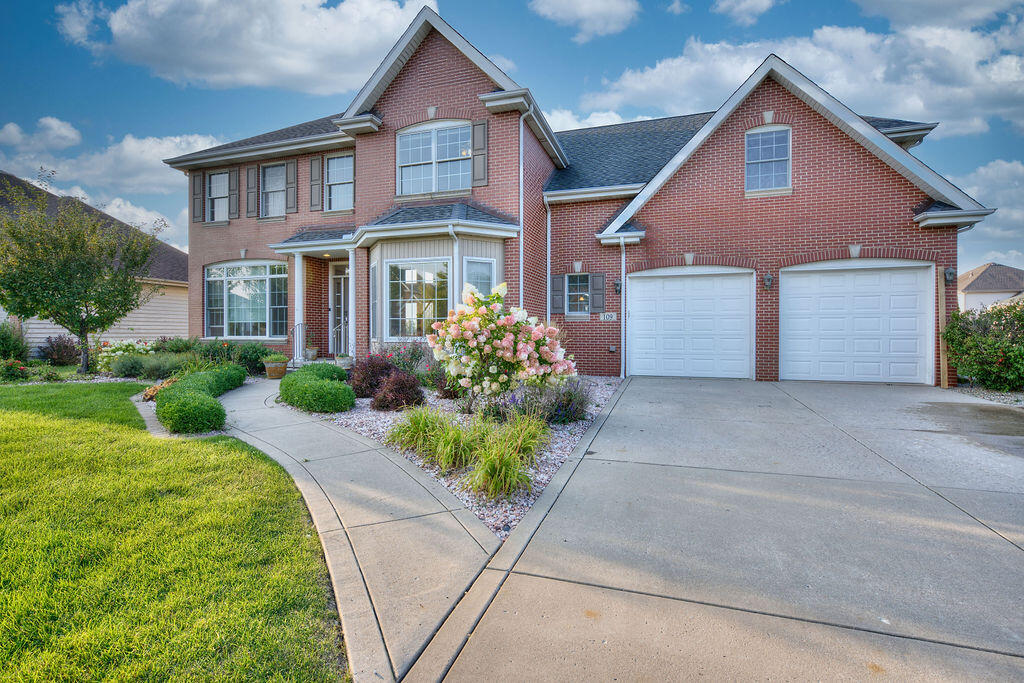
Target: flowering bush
x=988, y=346
x=111, y=350
x=489, y=349
x=13, y=369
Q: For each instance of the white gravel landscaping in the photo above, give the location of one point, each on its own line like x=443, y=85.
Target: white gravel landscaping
x=1010, y=398
x=501, y=516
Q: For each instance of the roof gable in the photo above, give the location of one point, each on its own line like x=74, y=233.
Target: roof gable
x=992, y=277
x=829, y=107
x=426, y=20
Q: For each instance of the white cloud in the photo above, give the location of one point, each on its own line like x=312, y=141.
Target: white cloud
x=998, y=184
x=312, y=46
x=743, y=12
x=565, y=119
x=1007, y=258
x=591, y=18
x=921, y=73
x=503, y=63
x=51, y=133
x=173, y=232
x=678, y=7
x=937, y=12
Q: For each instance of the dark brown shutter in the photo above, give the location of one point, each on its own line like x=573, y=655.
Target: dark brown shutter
x=291, y=187
x=316, y=184
x=233, y=193
x=197, y=196
x=558, y=293
x=252, y=191
x=597, y=293
x=479, y=139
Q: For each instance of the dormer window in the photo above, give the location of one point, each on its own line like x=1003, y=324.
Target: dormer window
x=768, y=159
x=435, y=157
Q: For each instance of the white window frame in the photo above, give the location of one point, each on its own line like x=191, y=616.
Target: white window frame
x=789, y=161
x=433, y=127
x=209, y=213
x=480, y=259
x=387, y=293
x=374, y=302
x=263, y=191
x=327, y=185
x=577, y=314
x=225, y=280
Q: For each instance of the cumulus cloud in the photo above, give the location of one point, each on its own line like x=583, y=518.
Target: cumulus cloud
x=591, y=18
x=925, y=73
x=677, y=7
x=938, y=12
x=51, y=133
x=743, y=12
x=998, y=184
x=503, y=63
x=566, y=119
x=312, y=46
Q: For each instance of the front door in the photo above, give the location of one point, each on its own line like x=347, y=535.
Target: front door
x=339, y=313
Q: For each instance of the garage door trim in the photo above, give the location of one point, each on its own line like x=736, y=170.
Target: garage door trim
x=874, y=264
x=695, y=271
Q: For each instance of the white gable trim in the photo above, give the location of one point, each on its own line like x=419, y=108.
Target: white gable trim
x=406, y=46
x=832, y=109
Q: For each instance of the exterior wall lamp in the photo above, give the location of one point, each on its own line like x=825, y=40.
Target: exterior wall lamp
x=950, y=275
x=768, y=280
x=618, y=286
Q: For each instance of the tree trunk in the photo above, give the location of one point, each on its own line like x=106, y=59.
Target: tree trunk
x=83, y=339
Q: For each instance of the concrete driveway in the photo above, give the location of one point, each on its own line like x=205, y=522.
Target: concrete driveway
x=734, y=529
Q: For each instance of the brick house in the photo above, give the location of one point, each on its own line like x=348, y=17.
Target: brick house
x=781, y=236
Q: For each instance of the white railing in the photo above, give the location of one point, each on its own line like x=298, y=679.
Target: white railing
x=339, y=339
x=298, y=333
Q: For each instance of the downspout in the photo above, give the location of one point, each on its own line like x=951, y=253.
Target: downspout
x=622, y=307
x=522, y=223
x=547, y=281
x=457, y=265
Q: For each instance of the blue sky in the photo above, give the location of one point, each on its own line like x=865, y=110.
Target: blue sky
x=101, y=92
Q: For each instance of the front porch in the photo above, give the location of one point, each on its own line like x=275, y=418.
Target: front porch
x=323, y=302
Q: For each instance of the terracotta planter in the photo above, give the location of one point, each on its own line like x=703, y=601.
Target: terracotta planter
x=275, y=370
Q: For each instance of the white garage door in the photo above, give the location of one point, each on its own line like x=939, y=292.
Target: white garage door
x=690, y=325
x=860, y=325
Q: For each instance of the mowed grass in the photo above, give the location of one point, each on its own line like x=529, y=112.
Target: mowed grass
x=124, y=556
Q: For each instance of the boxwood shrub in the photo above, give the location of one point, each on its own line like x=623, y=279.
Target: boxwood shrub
x=189, y=405
x=307, y=390
x=325, y=371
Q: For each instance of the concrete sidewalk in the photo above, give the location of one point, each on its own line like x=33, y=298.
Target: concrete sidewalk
x=400, y=548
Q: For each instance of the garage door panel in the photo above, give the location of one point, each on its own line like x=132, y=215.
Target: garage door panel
x=711, y=338
x=868, y=325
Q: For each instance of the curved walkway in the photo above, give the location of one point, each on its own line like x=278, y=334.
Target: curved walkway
x=400, y=548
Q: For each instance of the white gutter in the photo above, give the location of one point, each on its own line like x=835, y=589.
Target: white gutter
x=622, y=309
x=312, y=142
x=585, y=194
x=365, y=233
x=522, y=220
x=615, y=238
x=547, y=280
x=962, y=218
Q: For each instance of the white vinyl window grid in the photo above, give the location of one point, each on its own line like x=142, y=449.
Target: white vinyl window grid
x=374, y=302
x=410, y=306
x=479, y=272
x=264, y=283
x=339, y=182
x=768, y=159
x=436, y=157
x=577, y=294
x=217, y=189
x=273, y=186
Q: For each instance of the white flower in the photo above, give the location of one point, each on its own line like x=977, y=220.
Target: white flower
x=501, y=289
x=493, y=369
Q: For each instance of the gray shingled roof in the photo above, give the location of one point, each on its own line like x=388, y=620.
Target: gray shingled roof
x=992, y=277
x=318, y=233
x=165, y=263
x=628, y=153
x=453, y=211
x=321, y=126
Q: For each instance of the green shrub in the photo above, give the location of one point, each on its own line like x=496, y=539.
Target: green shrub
x=12, y=341
x=408, y=357
x=50, y=375
x=13, y=369
x=562, y=403
x=502, y=462
x=61, y=350
x=190, y=412
x=324, y=371
x=306, y=391
x=129, y=365
x=438, y=438
x=276, y=358
x=160, y=365
x=399, y=390
x=216, y=350
x=988, y=346
x=250, y=356
x=176, y=344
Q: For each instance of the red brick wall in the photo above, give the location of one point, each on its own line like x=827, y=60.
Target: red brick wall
x=537, y=167
x=842, y=195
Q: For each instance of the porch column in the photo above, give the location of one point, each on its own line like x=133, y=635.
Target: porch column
x=299, y=339
x=352, y=317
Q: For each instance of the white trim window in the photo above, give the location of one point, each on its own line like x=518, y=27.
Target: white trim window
x=435, y=157
x=767, y=158
x=374, y=301
x=246, y=299
x=417, y=296
x=273, y=184
x=339, y=182
x=577, y=294
x=217, y=196
x=479, y=272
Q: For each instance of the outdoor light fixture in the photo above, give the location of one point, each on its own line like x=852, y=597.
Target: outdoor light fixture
x=327, y=256
x=768, y=280
x=950, y=275
x=618, y=286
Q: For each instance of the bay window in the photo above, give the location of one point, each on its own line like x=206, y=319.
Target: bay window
x=247, y=299
x=339, y=188
x=417, y=296
x=438, y=159
x=479, y=272
x=273, y=195
x=217, y=197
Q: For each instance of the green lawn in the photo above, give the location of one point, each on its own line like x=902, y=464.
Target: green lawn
x=127, y=556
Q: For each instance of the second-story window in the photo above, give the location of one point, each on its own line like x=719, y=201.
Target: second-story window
x=217, y=197
x=339, y=189
x=273, y=196
x=767, y=159
x=437, y=159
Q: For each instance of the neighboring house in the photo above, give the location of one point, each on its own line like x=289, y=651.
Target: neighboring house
x=165, y=314
x=985, y=285
x=782, y=235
